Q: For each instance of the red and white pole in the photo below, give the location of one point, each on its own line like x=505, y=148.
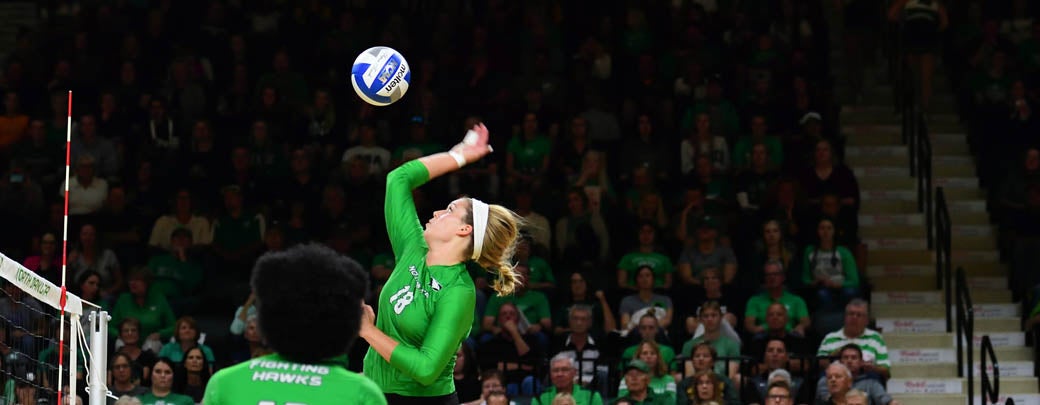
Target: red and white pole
x=64, y=255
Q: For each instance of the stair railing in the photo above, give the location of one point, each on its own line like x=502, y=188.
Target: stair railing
x=990, y=389
x=943, y=249
x=965, y=335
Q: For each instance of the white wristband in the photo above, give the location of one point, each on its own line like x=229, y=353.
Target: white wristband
x=461, y=160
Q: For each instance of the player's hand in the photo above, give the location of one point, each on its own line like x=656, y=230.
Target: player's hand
x=368, y=317
x=474, y=147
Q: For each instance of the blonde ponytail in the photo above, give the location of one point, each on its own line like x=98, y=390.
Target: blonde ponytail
x=496, y=254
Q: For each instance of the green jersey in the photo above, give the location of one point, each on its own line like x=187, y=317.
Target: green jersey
x=541, y=272
x=660, y=264
x=528, y=154
x=170, y=399
x=428, y=310
x=581, y=396
x=273, y=380
x=759, y=304
x=175, y=278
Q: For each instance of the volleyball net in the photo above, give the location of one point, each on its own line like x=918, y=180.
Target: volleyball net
x=31, y=342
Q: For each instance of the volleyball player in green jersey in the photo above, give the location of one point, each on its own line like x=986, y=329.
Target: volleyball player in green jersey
x=308, y=301
x=426, y=306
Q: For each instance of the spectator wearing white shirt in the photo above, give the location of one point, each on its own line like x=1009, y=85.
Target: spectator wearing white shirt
x=182, y=217
x=377, y=157
x=87, y=192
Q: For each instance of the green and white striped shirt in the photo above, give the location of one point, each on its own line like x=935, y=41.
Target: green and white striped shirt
x=871, y=342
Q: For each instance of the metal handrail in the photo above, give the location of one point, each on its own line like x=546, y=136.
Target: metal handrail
x=990, y=390
x=965, y=335
x=943, y=250
x=924, y=175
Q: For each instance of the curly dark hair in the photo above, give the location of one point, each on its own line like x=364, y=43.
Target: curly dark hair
x=308, y=301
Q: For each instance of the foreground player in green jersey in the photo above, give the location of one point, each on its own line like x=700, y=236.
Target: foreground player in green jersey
x=308, y=301
x=426, y=307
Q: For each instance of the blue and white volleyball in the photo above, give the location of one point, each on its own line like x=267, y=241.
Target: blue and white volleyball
x=380, y=75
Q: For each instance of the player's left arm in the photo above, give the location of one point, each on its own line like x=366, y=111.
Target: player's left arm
x=450, y=322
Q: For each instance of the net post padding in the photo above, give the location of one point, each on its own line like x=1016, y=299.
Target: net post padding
x=38, y=287
x=96, y=379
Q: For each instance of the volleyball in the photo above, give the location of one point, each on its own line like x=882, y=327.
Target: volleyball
x=380, y=75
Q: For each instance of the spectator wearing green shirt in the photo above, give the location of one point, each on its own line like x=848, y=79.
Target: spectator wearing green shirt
x=162, y=386
x=527, y=154
x=146, y=305
x=645, y=255
x=774, y=291
x=533, y=307
x=177, y=276
x=742, y=150
x=237, y=236
x=661, y=381
x=541, y=273
x=637, y=379
x=715, y=335
x=187, y=337
x=724, y=118
x=649, y=330
x=830, y=268
x=563, y=372
x=700, y=363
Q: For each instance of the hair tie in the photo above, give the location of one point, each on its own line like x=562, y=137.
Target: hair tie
x=480, y=210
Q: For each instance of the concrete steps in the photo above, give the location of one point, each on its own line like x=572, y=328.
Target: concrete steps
x=955, y=385
x=919, y=297
x=907, y=307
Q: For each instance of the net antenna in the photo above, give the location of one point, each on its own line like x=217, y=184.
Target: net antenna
x=64, y=258
x=60, y=299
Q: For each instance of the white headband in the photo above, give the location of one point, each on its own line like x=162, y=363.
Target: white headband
x=479, y=210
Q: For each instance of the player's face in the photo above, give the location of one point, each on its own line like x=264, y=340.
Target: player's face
x=449, y=221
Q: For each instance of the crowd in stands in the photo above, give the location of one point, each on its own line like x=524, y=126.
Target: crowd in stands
x=692, y=229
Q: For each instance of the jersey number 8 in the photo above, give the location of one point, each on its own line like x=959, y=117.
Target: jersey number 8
x=403, y=297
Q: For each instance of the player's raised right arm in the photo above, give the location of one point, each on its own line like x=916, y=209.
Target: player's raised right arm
x=402, y=222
